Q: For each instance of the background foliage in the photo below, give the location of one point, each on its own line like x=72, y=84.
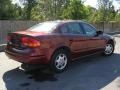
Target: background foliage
x=58, y=9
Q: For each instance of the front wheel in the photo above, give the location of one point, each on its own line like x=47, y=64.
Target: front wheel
x=59, y=61
x=109, y=49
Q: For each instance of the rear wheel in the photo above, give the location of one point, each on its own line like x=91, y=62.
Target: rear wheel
x=59, y=61
x=109, y=49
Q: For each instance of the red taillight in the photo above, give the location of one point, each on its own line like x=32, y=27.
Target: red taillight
x=31, y=42
x=8, y=38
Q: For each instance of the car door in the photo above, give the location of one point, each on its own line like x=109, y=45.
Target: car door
x=94, y=42
x=76, y=37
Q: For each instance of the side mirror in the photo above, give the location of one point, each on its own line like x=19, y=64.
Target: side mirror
x=99, y=32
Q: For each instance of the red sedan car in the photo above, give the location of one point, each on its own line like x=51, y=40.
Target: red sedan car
x=55, y=43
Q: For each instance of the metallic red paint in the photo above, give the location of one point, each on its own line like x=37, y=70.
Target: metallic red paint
x=78, y=45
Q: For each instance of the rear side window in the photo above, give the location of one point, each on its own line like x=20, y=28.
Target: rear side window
x=74, y=28
x=44, y=27
x=64, y=29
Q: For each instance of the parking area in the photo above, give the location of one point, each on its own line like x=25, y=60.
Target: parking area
x=93, y=73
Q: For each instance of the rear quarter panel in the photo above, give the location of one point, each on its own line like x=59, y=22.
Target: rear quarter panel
x=51, y=42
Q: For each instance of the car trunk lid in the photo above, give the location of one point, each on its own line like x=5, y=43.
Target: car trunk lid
x=31, y=33
x=15, y=38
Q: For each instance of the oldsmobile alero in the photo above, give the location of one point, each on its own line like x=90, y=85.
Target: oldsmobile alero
x=55, y=43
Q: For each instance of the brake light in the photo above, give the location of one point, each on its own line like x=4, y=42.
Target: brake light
x=31, y=42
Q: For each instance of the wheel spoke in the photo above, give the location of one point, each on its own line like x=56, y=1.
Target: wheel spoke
x=108, y=49
x=61, y=61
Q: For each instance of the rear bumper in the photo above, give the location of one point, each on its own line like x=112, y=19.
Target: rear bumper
x=41, y=59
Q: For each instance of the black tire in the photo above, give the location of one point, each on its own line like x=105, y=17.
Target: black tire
x=53, y=66
x=109, y=54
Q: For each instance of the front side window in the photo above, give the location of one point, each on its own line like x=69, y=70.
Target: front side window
x=74, y=28
x=89, y=30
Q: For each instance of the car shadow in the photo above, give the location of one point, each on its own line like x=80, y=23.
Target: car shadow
x=91, y=73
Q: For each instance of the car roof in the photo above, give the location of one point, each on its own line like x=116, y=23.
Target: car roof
x=60, y=22
x=65, y=21
x=68, y=21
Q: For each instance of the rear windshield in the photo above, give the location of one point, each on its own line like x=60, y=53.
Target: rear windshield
x=44, y=27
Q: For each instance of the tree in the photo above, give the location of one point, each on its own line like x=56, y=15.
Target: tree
x=92, y=14
x=29, y=4
x=48, y=9
x=9, y=10
x=17, y=12
x=75, y=10
x=6, y=9
x=106, y=10
x=43, y=10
